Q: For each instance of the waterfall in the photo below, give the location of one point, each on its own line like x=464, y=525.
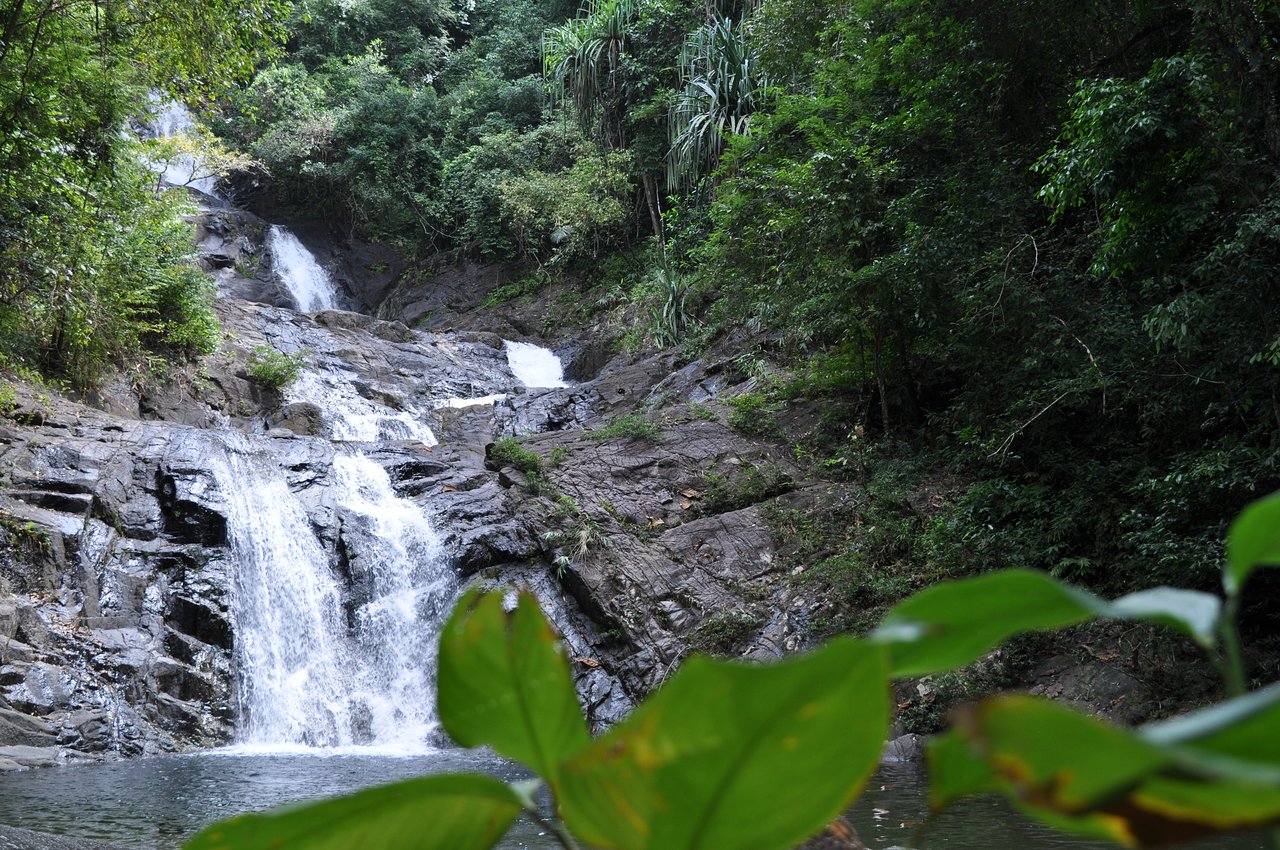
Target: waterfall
x=174, y=121
x=297, y=268
x=353, y=418
x=533, y=365
x=323, y=666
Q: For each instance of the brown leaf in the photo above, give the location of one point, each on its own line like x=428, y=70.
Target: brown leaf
x=685, y=505
x=448, y=488
x=587, y=662
x=690, y=493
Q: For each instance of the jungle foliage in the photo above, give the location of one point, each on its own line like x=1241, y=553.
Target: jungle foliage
x=95, y=266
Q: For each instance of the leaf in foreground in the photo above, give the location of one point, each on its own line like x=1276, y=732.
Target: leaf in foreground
x=1082, y=775
x=955, y=623
x=447, y=812
x=504, y=682
x=1253, y=541
x=731, y=756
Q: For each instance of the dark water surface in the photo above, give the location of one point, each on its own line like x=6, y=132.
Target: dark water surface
x=155, y=803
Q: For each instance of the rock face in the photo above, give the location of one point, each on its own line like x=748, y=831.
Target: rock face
x=117, y=614
x=113, y=625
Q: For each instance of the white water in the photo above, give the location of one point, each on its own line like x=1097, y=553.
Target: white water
x=533, y=365
x=319, y=668
x=173, y=121
x=353, y=418
x=297, y=268
x=457, y=403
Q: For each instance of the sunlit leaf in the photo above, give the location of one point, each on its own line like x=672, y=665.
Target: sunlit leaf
x=729, y=756
x=1253, y=542
x=448, y=812
x=954, y=623
x=1067, y=759
x=1191, y=612
x=504, y=682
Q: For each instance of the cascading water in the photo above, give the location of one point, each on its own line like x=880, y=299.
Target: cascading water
x=533, y=365
x=287, y=610
x=297, y=268
x=324, y=667
x=351, y=417
x=173, y=121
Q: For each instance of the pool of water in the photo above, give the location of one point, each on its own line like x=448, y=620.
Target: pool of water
x=155, y=803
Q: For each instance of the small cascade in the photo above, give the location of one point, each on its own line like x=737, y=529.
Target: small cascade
x=351, y=417
x=410, y=586
x=292, y=653
x=173, y=121
x=297, y=268
x=533, y=365
x=324, y=667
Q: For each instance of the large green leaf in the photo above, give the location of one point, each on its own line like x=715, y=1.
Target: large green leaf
x=1056, y=754
x=729, y=756
x=448, y=812
x=1240, y=737
x=1079, y=774
x=504, y=681
x=954, y=623
x=1191, y=612
x=1253, y=542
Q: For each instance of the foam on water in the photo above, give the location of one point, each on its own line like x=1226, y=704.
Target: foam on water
x=533, y=365
x=353, y=418
x=457, y=403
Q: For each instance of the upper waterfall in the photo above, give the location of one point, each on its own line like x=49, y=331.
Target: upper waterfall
x=297, y=268
x=173, y=121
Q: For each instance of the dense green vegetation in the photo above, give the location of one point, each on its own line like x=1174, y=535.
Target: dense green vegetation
x=1027, y=249
x=95, y=267
x=731, y=756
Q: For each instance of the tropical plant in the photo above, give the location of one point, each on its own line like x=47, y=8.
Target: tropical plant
x=671, y=318
x=275, y=369
x=580, y=58
x=722, y=86
x=732, y=756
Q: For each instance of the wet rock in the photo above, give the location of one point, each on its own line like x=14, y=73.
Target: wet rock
x=26, y=756
x=23, y=729
x=903, y=749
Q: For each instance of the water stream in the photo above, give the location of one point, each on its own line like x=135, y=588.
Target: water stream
x=311, y=287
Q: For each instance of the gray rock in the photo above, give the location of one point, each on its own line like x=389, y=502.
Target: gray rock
x=903, y=749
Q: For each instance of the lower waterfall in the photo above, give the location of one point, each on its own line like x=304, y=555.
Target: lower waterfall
x=324, y=662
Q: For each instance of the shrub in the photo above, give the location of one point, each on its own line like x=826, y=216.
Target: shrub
x=632, y=426
x=275, y=369
x=509, y=452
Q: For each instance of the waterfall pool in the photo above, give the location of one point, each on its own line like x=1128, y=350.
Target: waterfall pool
x=155, y=803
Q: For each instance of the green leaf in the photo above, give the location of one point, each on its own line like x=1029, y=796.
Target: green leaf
x=955, y=770
x=1079, y=774
x=447, y=812
x=1054, y=754
x=1237, y=738
x=954, y=623
x=729, y=756
x=504, y=682
x=1191, y=612
x=1252, y=542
